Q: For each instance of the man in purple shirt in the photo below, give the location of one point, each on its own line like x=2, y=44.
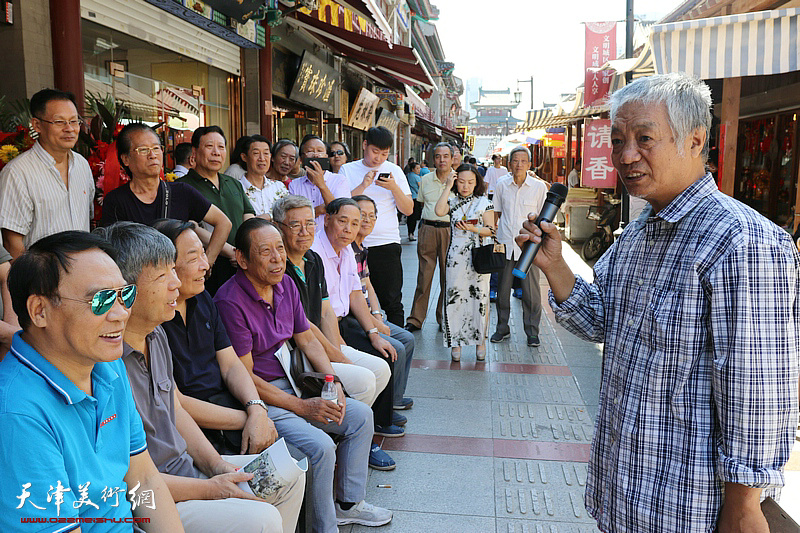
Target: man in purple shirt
x=261, y=309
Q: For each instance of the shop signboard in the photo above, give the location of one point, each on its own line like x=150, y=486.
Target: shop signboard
x=601, y=47
x=388, y=120
x=363, y=110
x=597, y=169
x=315, y=84
x=241, y=10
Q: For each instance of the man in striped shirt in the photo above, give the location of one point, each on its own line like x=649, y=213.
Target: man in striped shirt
x=49, y=188
x=697, y=304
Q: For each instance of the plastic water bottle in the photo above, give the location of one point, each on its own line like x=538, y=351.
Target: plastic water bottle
x=329, y=390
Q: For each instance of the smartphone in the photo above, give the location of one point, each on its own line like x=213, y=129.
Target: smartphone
x=472, y=221
x=383, y=176
x=324, y=162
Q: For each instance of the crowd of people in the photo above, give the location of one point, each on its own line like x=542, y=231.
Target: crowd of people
x=162, y=351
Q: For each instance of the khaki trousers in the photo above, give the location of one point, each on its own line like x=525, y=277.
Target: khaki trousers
x=276, y=515
x=432, y=244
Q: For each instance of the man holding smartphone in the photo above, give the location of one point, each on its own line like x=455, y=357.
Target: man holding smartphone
x=387, y=185
x=319, y=185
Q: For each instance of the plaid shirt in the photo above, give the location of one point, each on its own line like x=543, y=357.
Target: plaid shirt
x=698, y=309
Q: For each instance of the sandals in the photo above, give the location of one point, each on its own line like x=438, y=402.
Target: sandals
x=480, y=353
x=455, y=354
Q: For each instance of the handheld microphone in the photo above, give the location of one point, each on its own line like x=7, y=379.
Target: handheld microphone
x=556, y=196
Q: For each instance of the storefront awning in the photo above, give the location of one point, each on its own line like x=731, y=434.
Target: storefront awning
x=396, y=60
x=749, y=44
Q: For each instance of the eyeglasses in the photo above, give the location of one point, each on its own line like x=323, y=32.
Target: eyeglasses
x=370, y=217
x=103, y=300
x=294, y=227
x=333, y=153
x=75, y=122
x=145, y=151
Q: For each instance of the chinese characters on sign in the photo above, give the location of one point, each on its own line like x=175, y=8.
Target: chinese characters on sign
x=316, y=84
x=109, y=495
x=363, y=110
x=597, y=169
x=601, y=47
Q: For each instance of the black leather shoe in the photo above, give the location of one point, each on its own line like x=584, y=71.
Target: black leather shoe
x=411, y=327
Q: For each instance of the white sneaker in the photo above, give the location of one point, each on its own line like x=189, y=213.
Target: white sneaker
x=364, y=514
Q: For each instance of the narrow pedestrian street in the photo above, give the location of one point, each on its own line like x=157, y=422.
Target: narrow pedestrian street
x=496, y=446
x=500, y=446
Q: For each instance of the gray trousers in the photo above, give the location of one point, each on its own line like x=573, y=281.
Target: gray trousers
x=350, y=456
x=531, y=299
x=403, y=343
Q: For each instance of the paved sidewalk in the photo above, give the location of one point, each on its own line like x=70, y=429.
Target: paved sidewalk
x=499, y=446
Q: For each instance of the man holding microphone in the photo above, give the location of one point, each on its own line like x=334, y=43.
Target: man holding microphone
x=697, y=306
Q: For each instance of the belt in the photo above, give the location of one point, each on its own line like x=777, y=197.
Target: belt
x=435, y=223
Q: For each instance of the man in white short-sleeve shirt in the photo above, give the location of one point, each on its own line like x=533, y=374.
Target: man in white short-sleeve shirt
x=387, y=185
x=516, y=195
x=494, y=173
x=49, y=188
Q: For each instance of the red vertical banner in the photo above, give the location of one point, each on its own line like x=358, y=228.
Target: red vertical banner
x=597, y=170
x=601, y=47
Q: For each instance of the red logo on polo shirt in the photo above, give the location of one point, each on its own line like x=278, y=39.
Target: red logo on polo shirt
x=107, y=420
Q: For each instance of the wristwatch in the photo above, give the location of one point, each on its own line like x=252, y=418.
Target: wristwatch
x=256, y=402
x=372, y=330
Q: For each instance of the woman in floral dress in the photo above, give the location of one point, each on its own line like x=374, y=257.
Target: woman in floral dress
x=466, y=311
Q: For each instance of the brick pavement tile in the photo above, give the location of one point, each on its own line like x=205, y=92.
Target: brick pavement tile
x=535, y=388
x=541, y=422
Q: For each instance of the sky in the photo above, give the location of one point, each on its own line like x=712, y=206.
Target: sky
x=502, y=41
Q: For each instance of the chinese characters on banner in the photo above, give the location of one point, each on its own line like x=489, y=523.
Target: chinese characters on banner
x=597, y=168
x=601, y=46
x=316, y=84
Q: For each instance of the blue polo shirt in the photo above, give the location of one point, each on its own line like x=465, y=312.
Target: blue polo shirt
x=52, y=432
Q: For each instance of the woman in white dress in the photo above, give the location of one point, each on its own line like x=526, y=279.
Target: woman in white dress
x=259, y=189
x=466, y=308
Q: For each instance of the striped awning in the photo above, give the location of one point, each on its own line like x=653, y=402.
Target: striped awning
x=549, y=120
x=748, y=44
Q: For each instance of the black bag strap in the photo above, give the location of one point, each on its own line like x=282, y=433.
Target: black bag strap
x=164, y=199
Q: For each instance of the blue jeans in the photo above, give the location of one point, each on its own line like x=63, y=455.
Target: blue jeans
x=403, y=342
x=350, y=457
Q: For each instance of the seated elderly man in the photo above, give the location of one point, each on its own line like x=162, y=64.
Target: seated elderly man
x=364, y=376
x=219, y=393
x=261, y=309
x=356, y=325
x=202, y=482
x=69, y=422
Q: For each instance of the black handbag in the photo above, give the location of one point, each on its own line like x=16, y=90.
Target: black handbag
x=485, y=260
x=310, y=383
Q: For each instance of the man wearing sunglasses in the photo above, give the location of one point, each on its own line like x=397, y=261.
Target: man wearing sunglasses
x=202, y=482
x=70, y=426
x=49, y=188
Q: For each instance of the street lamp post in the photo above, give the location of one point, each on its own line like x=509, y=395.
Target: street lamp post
x=518, y=98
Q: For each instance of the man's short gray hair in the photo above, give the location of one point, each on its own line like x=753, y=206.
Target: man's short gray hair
x=519, y=149
x=444, y=145
x=286, y=204
x=687, y=99
x=138, y=246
